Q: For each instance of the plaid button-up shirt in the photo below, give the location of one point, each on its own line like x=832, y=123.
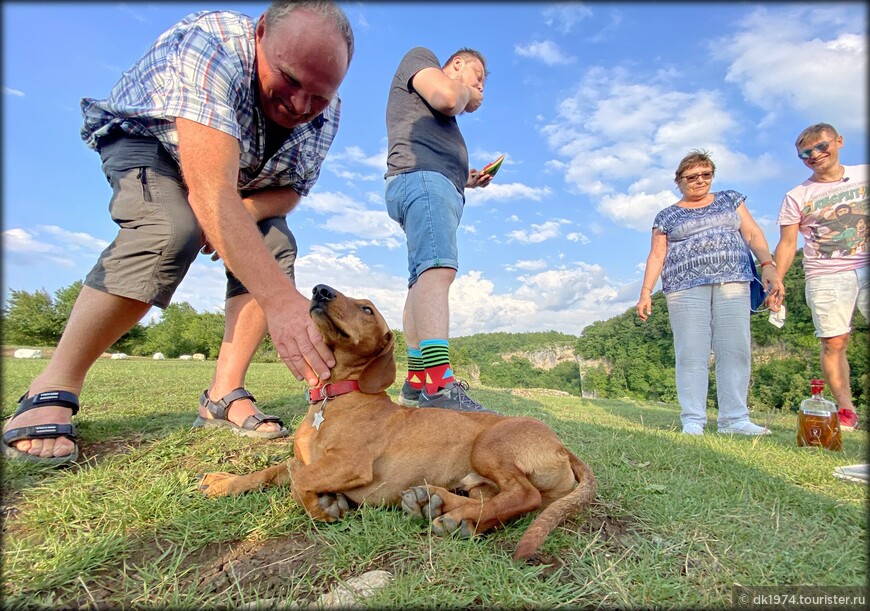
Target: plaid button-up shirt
x=203, y=69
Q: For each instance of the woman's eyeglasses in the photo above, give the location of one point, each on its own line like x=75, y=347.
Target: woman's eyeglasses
x=820, y=147
x=705, y=176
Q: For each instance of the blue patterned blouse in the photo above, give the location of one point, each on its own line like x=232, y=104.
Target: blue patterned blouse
x=704, y=244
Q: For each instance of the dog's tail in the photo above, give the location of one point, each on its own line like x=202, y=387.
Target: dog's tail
x=559, y=510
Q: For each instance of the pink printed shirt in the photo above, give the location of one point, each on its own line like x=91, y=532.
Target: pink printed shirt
x=832, y=218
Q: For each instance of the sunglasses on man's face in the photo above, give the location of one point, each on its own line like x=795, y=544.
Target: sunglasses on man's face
x=820, y=147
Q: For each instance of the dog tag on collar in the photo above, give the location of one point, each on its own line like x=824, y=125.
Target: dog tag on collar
x=318, y=415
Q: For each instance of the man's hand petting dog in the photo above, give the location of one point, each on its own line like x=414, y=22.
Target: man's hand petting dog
x=464, y=472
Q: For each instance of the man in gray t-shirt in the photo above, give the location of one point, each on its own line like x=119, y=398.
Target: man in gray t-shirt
x=427, y=174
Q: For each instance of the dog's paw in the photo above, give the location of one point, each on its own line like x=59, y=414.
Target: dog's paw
x=420, y=503
x=333, y=505
x=445, y=525
x=215, y=484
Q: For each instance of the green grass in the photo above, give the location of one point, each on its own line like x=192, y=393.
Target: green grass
x=678, y=520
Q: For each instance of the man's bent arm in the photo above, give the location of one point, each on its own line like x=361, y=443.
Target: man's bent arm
x=448, y=96
x=210, y=165
x=270, y=203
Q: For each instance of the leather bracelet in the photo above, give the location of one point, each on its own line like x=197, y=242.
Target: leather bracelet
x=768, y=263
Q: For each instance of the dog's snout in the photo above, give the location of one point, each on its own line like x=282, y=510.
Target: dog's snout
x=322, y=292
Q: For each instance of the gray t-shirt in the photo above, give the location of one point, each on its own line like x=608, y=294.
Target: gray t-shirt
x=418, y=136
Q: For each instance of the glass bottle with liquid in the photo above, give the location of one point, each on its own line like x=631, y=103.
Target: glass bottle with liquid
x=818, y=421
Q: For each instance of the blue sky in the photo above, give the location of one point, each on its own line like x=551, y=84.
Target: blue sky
x=594, y=105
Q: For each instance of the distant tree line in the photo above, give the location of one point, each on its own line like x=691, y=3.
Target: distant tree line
x=38, y=319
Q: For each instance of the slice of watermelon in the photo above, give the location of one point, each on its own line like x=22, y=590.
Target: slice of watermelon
x=492, y=168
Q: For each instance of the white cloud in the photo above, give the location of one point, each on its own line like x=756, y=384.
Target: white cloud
x=346, y=215
x=22, y=248
x=576, y=236
x=504, y=192
x=365, y=223
x=204, y=286
x=606, y=33
x=563, y=17
x=546, y=51
x=530, y=265
x=565, y=300
x=354, y=245
x=373, y=166
x=352, y=176
x=582, y=287
x=635, y=210
x=13, y=92
x=621, y=135
x=475, y=308
x=126, y=8
x=803, y=58
x=74, y=239
x=49, y=244
x=355, y=154
x=538, y=233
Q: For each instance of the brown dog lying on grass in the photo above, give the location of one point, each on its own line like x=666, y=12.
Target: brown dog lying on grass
x=464, y=472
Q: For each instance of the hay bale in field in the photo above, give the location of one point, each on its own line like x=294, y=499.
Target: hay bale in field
x=27, y=353
x=198, y=356
x=185, y=357
x=119, y=356
x=158, y=356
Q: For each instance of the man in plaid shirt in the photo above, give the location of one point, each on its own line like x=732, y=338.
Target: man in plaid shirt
x=208, y=141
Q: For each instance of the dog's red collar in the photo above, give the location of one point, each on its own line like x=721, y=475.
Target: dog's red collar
x=330, y=391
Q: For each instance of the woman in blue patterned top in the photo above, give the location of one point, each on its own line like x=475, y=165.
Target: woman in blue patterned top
x=699, y=249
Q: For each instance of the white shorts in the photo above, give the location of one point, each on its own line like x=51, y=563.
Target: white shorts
x=832, y=299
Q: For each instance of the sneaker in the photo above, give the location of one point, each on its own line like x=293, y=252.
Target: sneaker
x=848, y=419
x=693, y=429
x=744, y=428
x=408, y=396
x=453, y=396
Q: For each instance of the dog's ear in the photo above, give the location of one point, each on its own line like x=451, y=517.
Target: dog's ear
x=381, y=372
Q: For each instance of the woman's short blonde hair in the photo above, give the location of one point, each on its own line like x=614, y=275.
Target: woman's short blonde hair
x=694, y=158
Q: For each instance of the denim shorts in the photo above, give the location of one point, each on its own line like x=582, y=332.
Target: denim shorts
x=832, y=299
x=159, y=236
x=428, y=207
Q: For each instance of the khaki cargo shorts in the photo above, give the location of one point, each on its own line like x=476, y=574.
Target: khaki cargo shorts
x=159, y=236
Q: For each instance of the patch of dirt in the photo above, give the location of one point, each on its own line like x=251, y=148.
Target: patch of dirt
x=267, y=565
x=612, y=529
x=9, y=509
x=96, y=451
x=270, y=567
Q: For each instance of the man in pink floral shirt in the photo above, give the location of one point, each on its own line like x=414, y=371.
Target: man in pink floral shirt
x=829, y=210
